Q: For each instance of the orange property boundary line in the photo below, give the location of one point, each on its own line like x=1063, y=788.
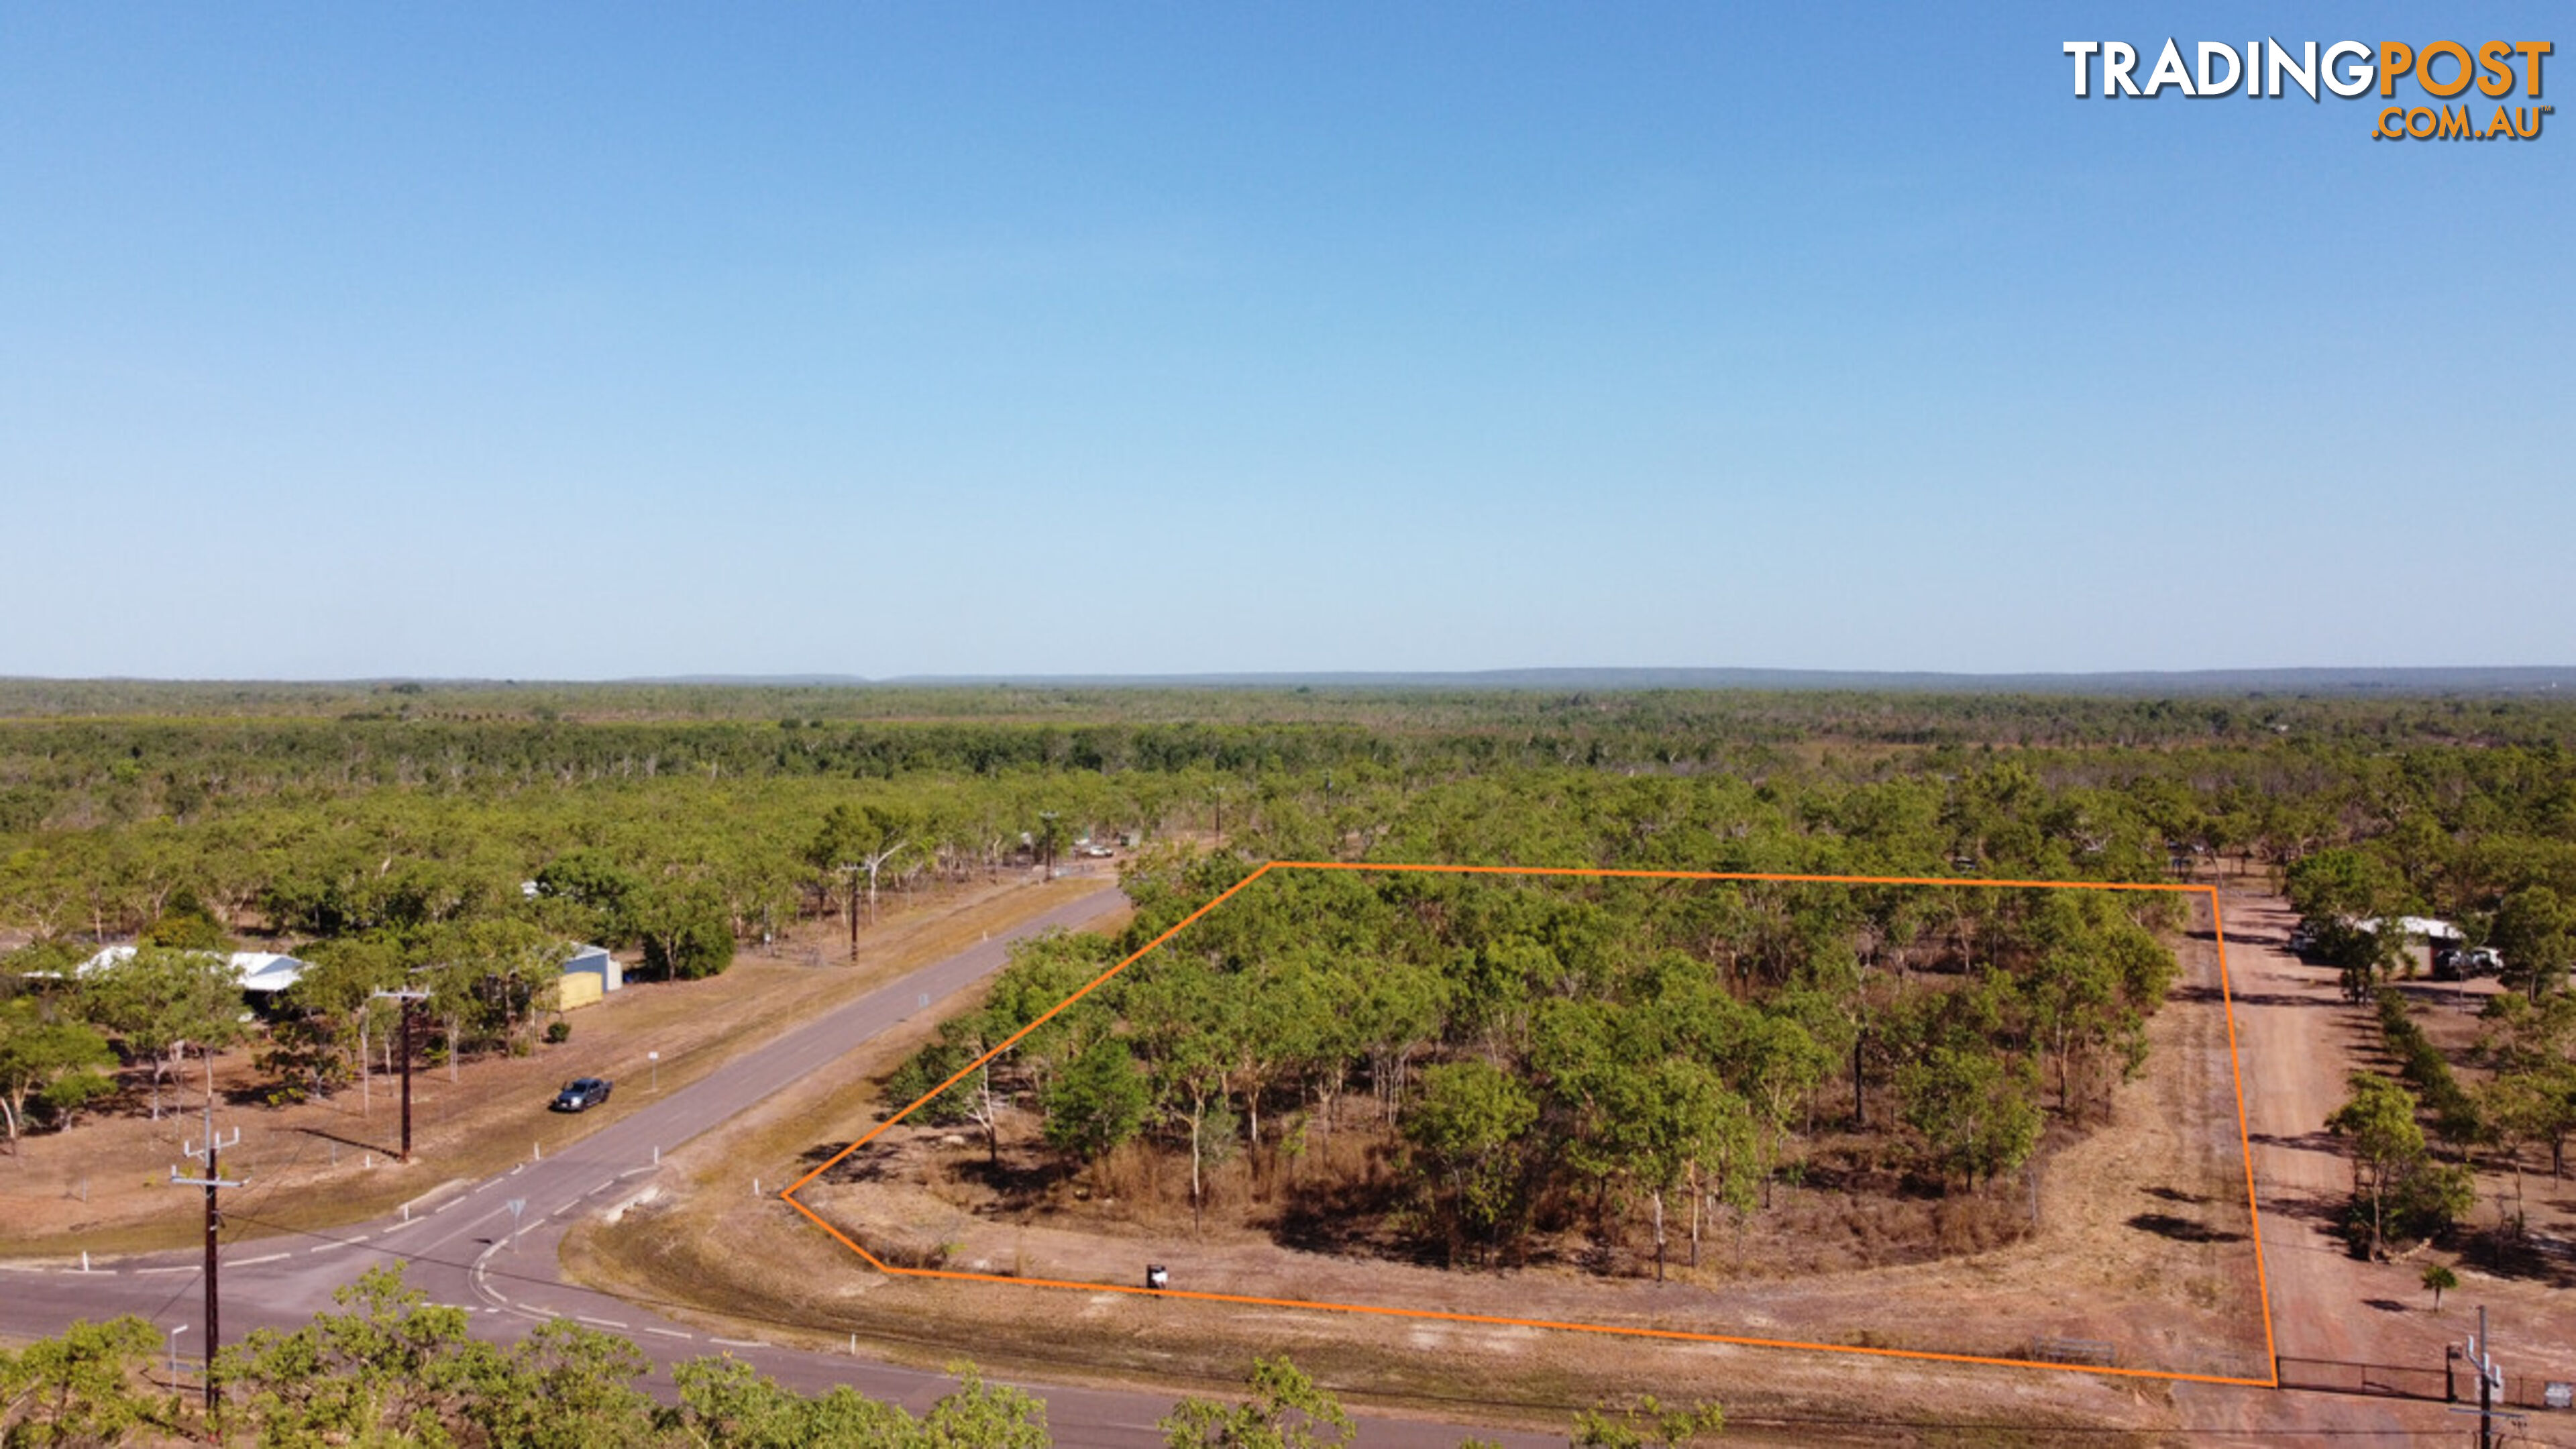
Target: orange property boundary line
x=2263, y=1293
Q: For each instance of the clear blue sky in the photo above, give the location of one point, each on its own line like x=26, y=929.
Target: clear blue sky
x=568, y=342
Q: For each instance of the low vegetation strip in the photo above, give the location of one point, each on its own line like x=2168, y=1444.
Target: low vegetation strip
x=392, y=1368
x=1497, y=1067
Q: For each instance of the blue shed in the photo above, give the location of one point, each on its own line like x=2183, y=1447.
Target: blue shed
x=596, y=961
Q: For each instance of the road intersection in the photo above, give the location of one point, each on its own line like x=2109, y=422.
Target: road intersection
x=464, y=1244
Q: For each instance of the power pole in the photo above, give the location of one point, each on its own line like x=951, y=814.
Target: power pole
x=850, y=871
x=2490, y=1379
x=405, y=997
x=212, y=1182
x=2486, y=1384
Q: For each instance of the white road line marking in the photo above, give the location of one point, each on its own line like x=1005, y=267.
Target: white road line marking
x=667, y=1332
x=247, y=1262
x=177, y=1270
x=737, y=1342
x=601, y=1322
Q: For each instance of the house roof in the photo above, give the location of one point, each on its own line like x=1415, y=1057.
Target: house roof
x=2425, y=926
x=264, y=972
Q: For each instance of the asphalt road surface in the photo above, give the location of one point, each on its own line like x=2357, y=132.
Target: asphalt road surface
x=465, y=1246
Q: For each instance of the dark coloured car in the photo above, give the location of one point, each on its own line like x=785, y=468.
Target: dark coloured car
x=581, y=1094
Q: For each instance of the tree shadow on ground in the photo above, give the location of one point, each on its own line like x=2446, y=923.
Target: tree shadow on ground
x=1351, y=1220
x=2210, y=995
x=857, y=1167
x=2326, y=1212
x=2520, y=1258
x=2182, y=1230
x=1019, y=1184
x=2319, y=1141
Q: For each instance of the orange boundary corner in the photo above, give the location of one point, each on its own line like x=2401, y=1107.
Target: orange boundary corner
x=2218, y=929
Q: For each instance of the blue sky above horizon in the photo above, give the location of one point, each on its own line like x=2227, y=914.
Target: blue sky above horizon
x=580, y=342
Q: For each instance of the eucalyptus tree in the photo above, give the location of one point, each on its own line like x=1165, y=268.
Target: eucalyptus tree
x=161, y=1002
x=2379, y=1121
x=340, y=984
x=1465, y=1125
x=49, y=1059
x=2535, y=934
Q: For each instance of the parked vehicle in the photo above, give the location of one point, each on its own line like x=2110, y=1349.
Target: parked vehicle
x=2453, y=964
x=581, y=1094
x=2303, y=939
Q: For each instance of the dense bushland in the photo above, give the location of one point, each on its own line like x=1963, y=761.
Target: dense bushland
x=380, y=828
x=1555, y=1054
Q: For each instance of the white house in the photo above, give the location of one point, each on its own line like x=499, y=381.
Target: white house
x=261, y=973
x=2418, y=928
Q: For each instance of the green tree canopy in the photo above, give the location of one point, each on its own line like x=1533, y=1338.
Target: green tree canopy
x=1286, y=1411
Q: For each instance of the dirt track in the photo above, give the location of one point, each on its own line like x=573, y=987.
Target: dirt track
x=2297, y=1040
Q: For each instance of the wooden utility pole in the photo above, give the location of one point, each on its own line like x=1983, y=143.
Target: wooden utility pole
x=212, y=1182
x=2490, y=1380
x=851, y=892
x=405, y=997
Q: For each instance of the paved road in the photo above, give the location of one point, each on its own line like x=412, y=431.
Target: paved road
x=458, y=1245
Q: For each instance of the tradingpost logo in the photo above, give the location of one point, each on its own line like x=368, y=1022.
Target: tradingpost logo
x=2443, y=72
